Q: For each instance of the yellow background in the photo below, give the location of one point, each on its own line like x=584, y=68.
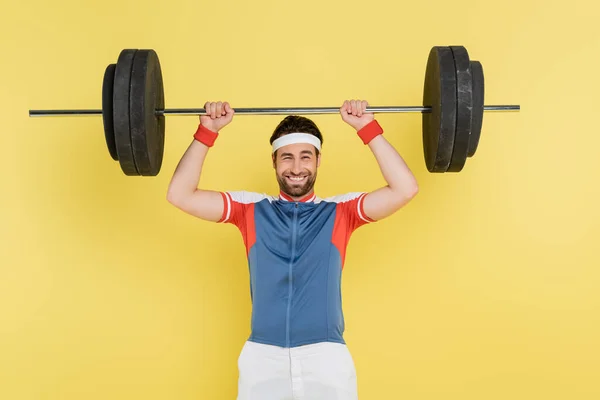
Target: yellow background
x=486, y=286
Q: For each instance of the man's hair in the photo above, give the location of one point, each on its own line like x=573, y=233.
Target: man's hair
x=295, y=123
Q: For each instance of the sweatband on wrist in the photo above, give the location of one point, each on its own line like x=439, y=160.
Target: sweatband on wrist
x=205, y=135
x=370, y=131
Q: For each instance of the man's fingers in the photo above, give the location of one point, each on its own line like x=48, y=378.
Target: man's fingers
x=364, y=104
x=344, y=108
x=227, y=108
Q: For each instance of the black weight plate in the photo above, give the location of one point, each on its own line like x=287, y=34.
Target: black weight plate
x=107, y=110
x=464, y=105
x=121, y=111
x=478, y=95
x=147, y=129
x=440, y=94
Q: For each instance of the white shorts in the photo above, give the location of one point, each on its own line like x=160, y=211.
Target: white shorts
x=312, y=372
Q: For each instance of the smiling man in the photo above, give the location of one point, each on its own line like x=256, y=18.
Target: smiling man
x=295, y=244
x=296, y=144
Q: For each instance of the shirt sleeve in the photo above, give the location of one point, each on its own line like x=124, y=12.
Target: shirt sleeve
x=238, y=209
x=236, y=206
x=233, y=211
x=351, y=208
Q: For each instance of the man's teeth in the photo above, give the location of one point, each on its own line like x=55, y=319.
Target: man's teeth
x=296, y=178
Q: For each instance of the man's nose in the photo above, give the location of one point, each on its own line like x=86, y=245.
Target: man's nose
x=296, y=167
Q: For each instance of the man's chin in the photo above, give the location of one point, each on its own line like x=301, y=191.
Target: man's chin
x=296, y=190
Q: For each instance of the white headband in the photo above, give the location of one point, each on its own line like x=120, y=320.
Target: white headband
x=297, y=137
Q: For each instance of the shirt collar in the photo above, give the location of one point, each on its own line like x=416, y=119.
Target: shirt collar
x=306, y=199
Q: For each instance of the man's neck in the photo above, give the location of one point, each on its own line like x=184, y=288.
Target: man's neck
x=310, y=196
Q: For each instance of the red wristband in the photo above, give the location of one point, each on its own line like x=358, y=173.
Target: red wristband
x=205, y=135
x=369, y=131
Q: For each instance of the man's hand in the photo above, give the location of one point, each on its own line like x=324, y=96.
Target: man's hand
x=218, y=114
x=353, y=113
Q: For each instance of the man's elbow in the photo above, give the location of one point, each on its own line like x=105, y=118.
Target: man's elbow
x=171, y=199
x=413, y=190
x=406, y=194
x=174, y=197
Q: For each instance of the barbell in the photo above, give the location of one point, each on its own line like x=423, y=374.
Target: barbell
x=133, y=110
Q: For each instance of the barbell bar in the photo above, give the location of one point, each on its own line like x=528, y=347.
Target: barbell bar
x=134, y=125
x=268, y=110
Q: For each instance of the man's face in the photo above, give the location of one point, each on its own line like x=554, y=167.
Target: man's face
x=296, y=168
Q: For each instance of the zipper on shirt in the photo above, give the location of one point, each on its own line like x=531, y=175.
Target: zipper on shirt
x=292, y=255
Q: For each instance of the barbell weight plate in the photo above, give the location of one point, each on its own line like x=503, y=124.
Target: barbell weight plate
x=464, y=105
x=107, y=110
x=439, y=93
x=147, y=128
x=121, y=111
x=478, y=95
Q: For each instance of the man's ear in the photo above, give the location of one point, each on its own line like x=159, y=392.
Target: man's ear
x=273, y=160
x=319, y=160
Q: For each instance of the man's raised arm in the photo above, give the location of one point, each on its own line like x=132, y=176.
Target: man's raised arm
x=401, y=183
x=183, y=191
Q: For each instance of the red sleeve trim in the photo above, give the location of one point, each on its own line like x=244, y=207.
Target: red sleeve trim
x=205, y=135
x=226, y=207
x=361, y=209
x=370, y=131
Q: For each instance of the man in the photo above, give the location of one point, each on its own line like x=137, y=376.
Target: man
x=295, y=244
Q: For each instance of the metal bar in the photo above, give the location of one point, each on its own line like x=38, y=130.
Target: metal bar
x=502, y=108
x=49, y=113
x=268, y=111
x=323, y=110
x=296, y=110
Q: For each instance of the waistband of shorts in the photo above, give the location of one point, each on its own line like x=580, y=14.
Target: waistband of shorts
x=307, y=349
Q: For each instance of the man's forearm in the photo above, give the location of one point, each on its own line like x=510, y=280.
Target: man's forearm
x=186, y=177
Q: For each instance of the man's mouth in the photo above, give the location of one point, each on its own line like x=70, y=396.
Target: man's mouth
x=296, y=179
